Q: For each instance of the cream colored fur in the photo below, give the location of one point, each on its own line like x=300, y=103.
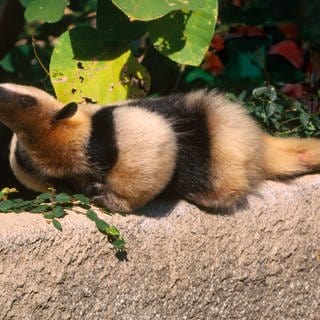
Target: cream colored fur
x=27, y=179
x=147, y=155
x=242, y=155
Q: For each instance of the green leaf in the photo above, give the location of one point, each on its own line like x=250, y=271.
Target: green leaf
x=57, y=224
x=49, y=216
x=25, y=3
x=82, y=68
x=114, y=25
x=92, y=215
x=41, y=208
x=119, y=244
x=62, y=198
x=185, y=36
x=112, y=231
x=304, y=118
x=198, y=74
x=107, y=211
x=101, y=225
x=149, y=10
x=6, y=205
x=84, y=206
x=58, y=212
x=6, y=191
x=46, y=10
x=43, y=197
x=271, y=108
x=135, y=78
x=268, y=92
x=83, y=199
x=20, y=205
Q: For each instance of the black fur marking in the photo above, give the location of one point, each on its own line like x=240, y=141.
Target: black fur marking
x=192, y=171
x=102, y=148
x=77, y=183
x=23, y=159
x=66, y=112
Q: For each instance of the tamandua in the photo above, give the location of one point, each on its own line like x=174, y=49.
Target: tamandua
x=197, y=146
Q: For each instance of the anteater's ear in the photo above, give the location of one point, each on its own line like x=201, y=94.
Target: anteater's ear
x=66, y=112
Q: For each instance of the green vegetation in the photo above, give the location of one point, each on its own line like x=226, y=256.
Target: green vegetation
x=102, y=64
x=55, y=206
x=109, y=50
x=278, y=113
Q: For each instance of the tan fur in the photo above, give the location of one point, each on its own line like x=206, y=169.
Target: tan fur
x=242, y=155
x=236, y=150
x=34, y=130
x=290, y=156
x=66, y=140
x=147, y=153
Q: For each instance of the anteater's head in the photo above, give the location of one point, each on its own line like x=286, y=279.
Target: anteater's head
x=24, y=108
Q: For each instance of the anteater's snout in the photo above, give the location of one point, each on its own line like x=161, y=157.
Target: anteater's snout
x=5, y=93
x=2, y=94
x=2, y=91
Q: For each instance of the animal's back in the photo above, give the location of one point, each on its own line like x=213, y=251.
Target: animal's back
x=198, y=146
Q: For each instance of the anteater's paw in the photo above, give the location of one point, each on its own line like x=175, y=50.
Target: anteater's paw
x=95, y=189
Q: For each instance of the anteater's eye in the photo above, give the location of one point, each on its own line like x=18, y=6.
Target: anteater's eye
x=27, y=101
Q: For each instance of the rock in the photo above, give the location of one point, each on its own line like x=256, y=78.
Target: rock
x=261, y=261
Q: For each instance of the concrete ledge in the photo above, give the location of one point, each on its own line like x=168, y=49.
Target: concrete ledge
x=261, y=262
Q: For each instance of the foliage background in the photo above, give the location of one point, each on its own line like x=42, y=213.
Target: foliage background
x=264, y=53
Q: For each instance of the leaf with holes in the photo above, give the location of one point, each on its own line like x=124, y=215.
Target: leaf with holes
x=149, y=10
x=45, y=10
x=185, y=36
x=83, y=68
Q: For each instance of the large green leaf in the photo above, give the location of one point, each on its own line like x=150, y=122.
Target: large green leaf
x=149, y=10
x=185, y=36
x=83, y=69
x=25, y=3
x=46, y=10
x=114, y=25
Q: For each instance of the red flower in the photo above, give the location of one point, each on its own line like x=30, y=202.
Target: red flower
x=213, y=63
x=217, y=43
x=289, y=50
x=293, y=89
x=289, y=30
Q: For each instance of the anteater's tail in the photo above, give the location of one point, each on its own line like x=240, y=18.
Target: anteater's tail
x=290, y=156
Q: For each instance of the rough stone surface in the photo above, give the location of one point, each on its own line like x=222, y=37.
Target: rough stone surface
x=260, y=262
